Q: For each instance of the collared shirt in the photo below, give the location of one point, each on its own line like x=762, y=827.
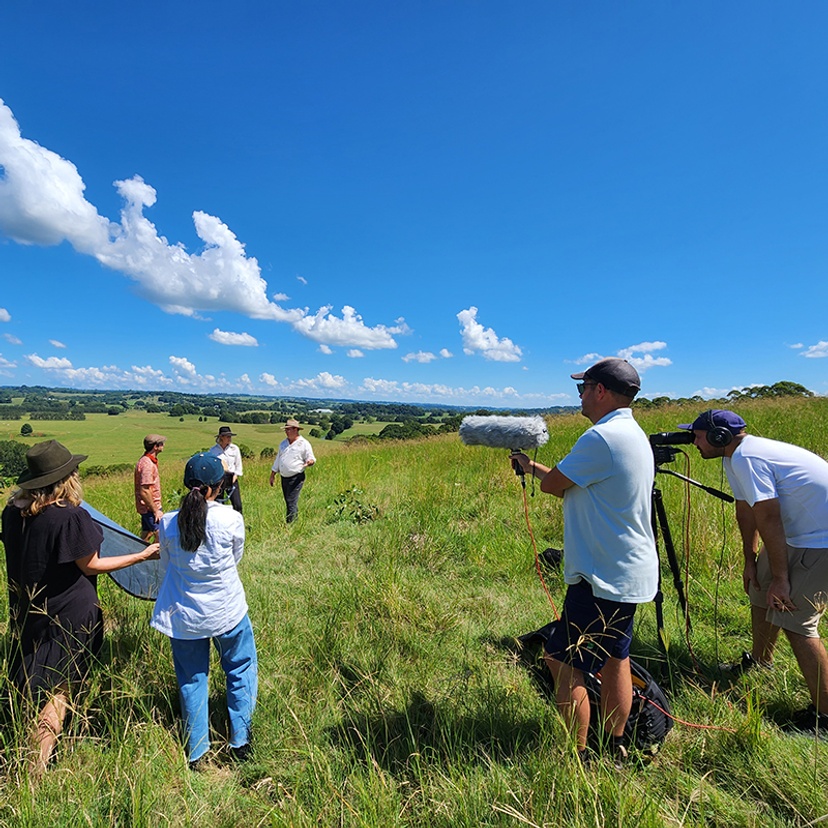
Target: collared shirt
x=146, y=474
x=201, y=594
x=293, y=457
x=230, y=456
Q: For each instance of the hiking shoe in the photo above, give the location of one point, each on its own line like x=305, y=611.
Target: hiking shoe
x=745, y=663
x=808, y=722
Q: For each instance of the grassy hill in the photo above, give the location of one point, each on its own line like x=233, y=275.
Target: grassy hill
x=390, y=693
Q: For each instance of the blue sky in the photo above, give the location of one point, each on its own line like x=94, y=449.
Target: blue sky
x=451, y=202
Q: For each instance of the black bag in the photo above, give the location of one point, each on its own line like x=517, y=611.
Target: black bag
x=649, y=721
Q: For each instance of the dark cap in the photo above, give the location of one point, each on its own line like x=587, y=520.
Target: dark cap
x=204, y=469
x=717, y=418
x=615, y=374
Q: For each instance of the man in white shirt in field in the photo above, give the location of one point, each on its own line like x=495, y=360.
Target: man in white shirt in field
x=781, y=493
x=294, y=456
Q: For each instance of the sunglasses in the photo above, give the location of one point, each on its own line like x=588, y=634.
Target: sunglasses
x=582, y=386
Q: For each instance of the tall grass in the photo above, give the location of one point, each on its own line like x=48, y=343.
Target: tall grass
x=390, y=691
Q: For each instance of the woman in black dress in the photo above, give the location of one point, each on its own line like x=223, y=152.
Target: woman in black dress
x=52, y=562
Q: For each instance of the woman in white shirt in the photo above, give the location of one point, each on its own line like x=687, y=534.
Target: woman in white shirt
x=202, y=599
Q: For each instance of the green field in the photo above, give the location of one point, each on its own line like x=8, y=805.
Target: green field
x=390, y=694
x=110, y=440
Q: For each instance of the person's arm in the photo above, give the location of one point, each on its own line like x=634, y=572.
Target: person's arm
x=553, y=481
x=768, y=520
x=750, y=543
x=145, y=495
x=95, y=565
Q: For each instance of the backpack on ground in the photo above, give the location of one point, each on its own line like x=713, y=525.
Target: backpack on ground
x=649, y=721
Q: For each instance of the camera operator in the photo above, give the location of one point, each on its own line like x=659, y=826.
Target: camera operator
x=781, y=495
x=610, y=564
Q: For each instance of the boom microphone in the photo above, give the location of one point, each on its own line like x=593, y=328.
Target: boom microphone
x=512, y=433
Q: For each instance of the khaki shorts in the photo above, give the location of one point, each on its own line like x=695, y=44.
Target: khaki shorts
x=808, y=573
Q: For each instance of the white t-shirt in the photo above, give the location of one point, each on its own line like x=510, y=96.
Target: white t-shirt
x=763, y=469
x=608, y=534
x=201, y=594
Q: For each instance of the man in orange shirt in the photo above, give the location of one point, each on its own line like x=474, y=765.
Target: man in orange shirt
x=148, y=486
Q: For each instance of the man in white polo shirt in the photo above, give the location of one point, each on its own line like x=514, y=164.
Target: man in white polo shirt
x=610, y=559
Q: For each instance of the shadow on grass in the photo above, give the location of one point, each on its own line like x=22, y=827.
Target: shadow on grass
x=425, y=731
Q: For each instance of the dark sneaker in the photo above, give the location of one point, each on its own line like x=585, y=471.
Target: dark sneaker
x=808, y=722
x=199, y=765
x=745, y=663
x=241, y=753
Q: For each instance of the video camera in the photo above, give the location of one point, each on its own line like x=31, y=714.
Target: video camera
x=663, y=442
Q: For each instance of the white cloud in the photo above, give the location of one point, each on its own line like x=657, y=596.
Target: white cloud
x=12, y=339
x=5, y=316
x=325, y=349
x=328, y=329
x=302, y=280
x=4, y=363
x=323, y=381
x=817, y=351
x=421, y=391
x=183, y=367
x=50, y=364
x=445, y=353
x=640, y=363
x=228, y=338
x=42, y=202
x=477, y=339
x=268, y=379
x=647, y=361
x=796, y=346
x=56, y=343
x=420, y=356
x=355, y=353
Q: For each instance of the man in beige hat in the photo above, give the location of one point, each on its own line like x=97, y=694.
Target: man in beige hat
x=295, y=455
x=148, y=486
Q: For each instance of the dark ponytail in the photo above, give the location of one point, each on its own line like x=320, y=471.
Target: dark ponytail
x=192, y=518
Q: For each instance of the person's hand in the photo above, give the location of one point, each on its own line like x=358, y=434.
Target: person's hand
x=152, y=552
x=779, y=595
x=520, y=460
x=749, y=576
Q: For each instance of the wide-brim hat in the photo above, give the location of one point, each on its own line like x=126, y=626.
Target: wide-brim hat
x=293, y=424
x=225, y=431
x=48, y=462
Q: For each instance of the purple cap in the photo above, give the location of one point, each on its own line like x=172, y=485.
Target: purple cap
x=615, y=374
x=203, y=469
x=717, y=418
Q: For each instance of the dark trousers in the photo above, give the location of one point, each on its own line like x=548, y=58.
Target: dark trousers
x=232, y=491
x=291, y=487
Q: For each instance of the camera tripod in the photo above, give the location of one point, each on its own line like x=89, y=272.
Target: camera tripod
x=661, y=525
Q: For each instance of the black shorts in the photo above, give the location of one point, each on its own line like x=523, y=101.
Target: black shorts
x=591, y=630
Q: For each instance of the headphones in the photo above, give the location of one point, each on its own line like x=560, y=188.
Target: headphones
x=717, y=436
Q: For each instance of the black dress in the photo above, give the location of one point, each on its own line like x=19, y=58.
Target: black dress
x=54, y=612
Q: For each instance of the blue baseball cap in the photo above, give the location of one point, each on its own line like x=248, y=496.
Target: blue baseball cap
x=203, y=469
x=717, y=417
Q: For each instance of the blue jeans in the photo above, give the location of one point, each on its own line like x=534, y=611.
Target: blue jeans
x=191, y=658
